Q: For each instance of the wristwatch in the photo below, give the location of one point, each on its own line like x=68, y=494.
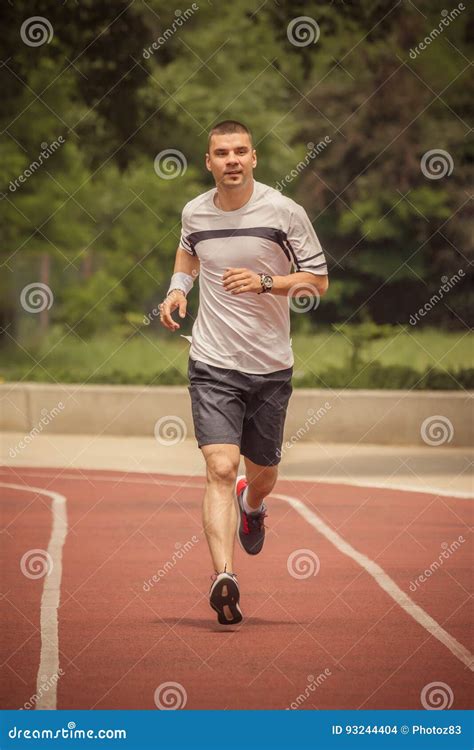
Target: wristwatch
x=267, y=283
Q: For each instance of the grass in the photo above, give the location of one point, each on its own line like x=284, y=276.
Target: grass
x=418, y=349
x=145, y=354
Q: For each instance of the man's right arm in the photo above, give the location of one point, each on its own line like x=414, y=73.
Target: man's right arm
x=176, y=298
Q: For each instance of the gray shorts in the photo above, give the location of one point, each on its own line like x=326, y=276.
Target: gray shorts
x=246, y=410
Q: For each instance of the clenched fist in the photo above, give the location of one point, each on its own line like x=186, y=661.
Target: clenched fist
x=241, y=280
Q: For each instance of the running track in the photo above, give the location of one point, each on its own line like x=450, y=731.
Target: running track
x=353, y=620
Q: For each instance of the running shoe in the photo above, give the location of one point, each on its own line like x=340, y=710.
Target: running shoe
x=224, y=598
x=251, y=529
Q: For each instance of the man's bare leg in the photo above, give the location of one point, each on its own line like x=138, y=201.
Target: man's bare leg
x=261, y=481
x=219, y=513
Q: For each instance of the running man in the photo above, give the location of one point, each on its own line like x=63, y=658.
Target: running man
x=253, y=248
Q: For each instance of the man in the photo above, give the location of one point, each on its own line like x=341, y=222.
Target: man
x=243, y=238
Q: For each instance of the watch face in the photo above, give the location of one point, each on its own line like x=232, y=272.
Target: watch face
x=267, y=282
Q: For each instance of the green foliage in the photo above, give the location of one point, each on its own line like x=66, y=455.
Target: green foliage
x=359, y=336
x=91, y=305
x=132, y=353
x=374, y=375
x=391, y=377
x=110, y=225
x=168, y=376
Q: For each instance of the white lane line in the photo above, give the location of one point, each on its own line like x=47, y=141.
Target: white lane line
x=374, y=570
x=383, y=580
x=419, y=489
x=48, y=671
x=428, y=490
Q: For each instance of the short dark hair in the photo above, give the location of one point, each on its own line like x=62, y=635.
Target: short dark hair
x=226, y=127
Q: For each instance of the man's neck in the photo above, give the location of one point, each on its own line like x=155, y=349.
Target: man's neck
x=232, y=200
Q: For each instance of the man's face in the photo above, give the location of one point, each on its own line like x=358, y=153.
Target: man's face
x=231, y=159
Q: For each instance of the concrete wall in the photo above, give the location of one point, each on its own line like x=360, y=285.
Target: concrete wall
x=380, y=417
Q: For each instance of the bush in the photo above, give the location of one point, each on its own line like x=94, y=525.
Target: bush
x=388, y=377
x=170, y=376
x=92, y=304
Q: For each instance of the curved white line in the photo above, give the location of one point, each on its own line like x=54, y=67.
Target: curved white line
x=383, y=486
x=383, y=580
x=371, y=567
x=48, y=671
x=296, y=478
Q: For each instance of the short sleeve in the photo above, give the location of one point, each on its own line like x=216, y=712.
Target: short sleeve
x=185, y=239
x=306, y=251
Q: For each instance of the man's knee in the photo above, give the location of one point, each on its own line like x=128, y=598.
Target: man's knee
x=221, y=468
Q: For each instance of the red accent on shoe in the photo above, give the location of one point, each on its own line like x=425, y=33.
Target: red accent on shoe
x=241, y=485
x=249, y=520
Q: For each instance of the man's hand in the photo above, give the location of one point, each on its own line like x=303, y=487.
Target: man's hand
x=241, y=280
x=175, y=299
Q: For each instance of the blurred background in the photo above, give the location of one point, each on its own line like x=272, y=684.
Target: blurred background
x=360, y=111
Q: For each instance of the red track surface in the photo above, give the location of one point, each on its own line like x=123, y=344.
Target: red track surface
x=118, y=643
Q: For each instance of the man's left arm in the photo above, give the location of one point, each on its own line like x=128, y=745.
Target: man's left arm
x=300, y=283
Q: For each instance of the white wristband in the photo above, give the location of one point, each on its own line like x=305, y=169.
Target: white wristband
x=180, y=280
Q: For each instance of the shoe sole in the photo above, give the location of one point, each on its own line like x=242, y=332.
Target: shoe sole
x=224, y=600
x=239, y=511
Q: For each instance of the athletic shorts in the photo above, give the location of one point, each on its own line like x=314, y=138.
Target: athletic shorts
x=235, y=407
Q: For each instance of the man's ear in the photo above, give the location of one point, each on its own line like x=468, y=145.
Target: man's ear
x=254, y=158
x=208, y=163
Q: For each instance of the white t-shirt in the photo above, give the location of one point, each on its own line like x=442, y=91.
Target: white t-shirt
x=270, y=234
